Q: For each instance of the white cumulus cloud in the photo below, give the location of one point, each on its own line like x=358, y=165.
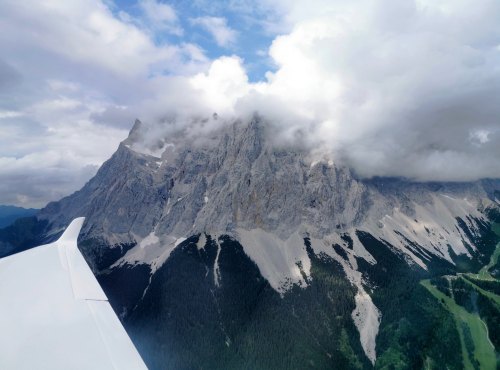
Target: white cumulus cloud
x=389, y=88
x=217, y=26
x=161, y=16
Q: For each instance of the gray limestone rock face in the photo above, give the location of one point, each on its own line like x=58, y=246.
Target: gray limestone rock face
x=237, y=178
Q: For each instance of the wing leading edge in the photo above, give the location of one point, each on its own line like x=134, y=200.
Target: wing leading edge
x=55, y=315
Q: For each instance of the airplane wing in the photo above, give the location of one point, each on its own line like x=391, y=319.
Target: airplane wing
x=55, y=315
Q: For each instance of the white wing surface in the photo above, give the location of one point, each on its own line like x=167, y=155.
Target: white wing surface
x=54, y=314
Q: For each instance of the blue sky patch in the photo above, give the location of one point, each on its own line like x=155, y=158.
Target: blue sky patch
x=251, y=38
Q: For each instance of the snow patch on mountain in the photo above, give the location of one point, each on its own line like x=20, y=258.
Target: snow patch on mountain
x=202, y=241
x=282, y=262
x=151, y=250
x=158, y=262
x=366, y=315
x=358, y=248
x=431, y=230
x=140, y=149
x=216, y=263
x=151, y=239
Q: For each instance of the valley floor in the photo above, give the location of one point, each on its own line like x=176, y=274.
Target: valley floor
x=475, y=309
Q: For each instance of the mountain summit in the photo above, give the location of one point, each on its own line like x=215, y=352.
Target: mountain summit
x=234, y=250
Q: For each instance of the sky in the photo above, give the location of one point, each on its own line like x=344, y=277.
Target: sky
x=388, y=87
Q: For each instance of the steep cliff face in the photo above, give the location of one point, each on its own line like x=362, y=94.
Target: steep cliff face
x=237, y=181
x=243, y=214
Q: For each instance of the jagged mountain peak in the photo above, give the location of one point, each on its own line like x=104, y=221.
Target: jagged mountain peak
x=237, y=177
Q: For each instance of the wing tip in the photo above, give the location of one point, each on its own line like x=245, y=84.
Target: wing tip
x=73, y=230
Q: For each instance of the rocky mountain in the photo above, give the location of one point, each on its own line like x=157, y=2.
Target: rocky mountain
x=232, y=250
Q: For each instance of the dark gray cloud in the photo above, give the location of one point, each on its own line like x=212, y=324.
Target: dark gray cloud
x=34, y=186
x=9, y=76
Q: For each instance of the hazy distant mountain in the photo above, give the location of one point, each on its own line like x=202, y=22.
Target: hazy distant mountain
x=232, y=252
x=8, y=214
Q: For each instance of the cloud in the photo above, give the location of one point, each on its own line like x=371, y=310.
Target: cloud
x=223, y=35
x=223, y=84
x=161, y=16
x=8, y=76
x=40, y=163
x=396, y=98
x=389, y=88
x=73, y=77
x=51, y=149
x=480, y=136
x=405, y=88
